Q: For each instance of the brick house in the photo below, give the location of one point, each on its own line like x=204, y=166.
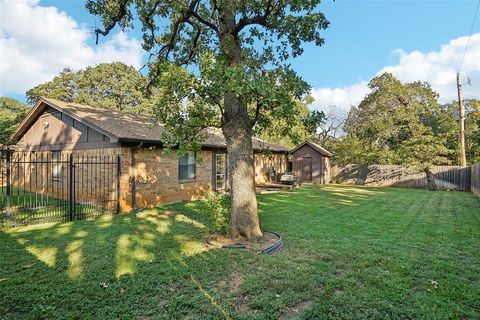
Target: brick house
x=148, y=176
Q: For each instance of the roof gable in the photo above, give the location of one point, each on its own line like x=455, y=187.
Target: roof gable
x=315, y=146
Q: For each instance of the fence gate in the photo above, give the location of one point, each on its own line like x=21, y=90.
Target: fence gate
x=37, y=187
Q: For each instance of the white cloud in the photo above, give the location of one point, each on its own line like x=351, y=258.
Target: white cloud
x=342, y=98
x=37, y=42
x=437, y=68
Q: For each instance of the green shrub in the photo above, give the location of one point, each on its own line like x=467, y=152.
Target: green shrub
x=216, y=207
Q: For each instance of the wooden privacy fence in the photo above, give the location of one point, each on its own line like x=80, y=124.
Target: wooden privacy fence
x=475, y=180
x=446, y=177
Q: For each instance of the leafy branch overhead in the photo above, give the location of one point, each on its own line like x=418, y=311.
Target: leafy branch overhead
x=179, y=34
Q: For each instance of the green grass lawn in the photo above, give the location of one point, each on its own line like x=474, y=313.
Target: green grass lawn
x=30, y=208
x=350, y=253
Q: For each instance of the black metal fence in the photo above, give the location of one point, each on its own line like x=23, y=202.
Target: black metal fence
x=37, y=187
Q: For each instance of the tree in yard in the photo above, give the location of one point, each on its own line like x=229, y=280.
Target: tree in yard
x=237, y=52
x=12, y=113
x=107, y=85
x=398, y=124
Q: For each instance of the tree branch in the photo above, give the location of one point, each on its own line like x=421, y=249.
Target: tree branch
x=260, y=19
x=257, y=113
x=150, y=24
x=203, y=21
x=121, y=14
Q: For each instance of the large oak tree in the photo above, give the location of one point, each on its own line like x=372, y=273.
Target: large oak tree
x=236, y=54
x=397, y=123
x=106, y=85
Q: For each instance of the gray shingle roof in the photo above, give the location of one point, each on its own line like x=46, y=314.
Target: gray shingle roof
x=127, y=126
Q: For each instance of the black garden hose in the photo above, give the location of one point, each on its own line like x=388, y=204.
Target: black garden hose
x=271, y=249
x=274, y=247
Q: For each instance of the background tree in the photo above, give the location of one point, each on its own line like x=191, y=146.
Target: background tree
x=12, y=113
x=239, y=52
x=450, y=126
x=300, y=126
x=330, y=129
x=107, y=85
x=397, y=124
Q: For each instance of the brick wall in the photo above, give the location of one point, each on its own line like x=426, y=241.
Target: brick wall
x=156, y=178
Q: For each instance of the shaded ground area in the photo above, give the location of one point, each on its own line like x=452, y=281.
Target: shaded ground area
x=350, y=252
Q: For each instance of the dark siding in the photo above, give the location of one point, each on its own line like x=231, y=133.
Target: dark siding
x=318, y=164
x=53, y=130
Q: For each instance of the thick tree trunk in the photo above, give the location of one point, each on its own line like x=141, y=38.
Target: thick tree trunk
x=432, y=186
x=238, y=133
x=237, y=129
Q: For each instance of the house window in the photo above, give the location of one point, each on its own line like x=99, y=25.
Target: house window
x=220, y=171
x=186, y=167
x=57, y=165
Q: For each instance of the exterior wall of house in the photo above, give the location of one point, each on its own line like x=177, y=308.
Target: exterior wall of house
x=266, y=164
x=320, y=165
x=148, y=177
x=156, y=178
x=54, y=130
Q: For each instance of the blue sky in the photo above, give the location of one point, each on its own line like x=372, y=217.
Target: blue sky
x=365, y=38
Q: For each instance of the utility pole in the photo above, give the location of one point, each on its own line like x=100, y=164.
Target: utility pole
x=463, y=158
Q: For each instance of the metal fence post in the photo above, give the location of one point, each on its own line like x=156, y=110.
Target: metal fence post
x=118, y=183
x=9, y=184
x=70, y=187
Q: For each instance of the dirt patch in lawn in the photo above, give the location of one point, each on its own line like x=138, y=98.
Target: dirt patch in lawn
x=236, y=281
x=296, y=310
x=258, y=244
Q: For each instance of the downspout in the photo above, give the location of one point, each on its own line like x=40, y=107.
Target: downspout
x=134, y=175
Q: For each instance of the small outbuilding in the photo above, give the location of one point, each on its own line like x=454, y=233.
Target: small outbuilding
x=311, y=163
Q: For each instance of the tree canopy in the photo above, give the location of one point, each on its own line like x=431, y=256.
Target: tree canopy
x=12, y=113
x=107, y=85
x=289, y=132
x=449, y=124
x=396, y=124
x=404, y=124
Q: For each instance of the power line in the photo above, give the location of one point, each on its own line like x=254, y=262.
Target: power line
x=470, y=35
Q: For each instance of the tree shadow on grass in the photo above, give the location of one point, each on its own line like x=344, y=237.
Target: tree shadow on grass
x=115, y=266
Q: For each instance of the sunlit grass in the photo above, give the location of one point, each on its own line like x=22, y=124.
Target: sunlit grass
x=350, y=252
x=47, y=255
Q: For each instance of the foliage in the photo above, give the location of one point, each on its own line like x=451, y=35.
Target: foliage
x=155, y=263
x=12, y=113
x=289, y=131
x=216, y=208
x=263, y=36
x=396, y=124
x=450, y=127
x=107, y=85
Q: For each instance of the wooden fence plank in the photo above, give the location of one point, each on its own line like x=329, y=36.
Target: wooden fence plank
x=446, y=177
x=475, y=179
